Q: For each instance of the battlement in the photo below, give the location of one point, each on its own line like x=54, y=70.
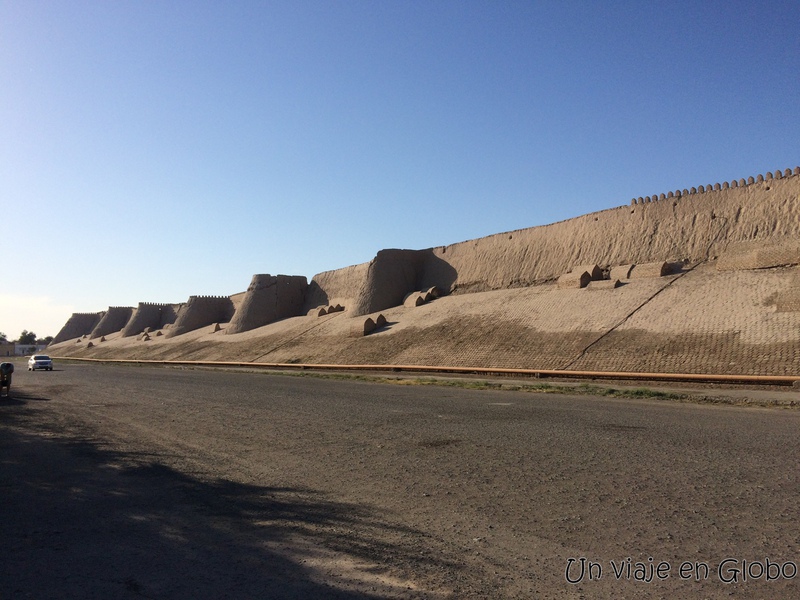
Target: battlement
x=194, y=298
x=158, y=304
x=735, y=183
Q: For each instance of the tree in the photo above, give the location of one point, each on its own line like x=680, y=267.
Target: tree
x=45, y=341
x=26, y=337
x=3, y=337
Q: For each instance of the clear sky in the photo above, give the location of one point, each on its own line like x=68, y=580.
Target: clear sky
x=154, y=150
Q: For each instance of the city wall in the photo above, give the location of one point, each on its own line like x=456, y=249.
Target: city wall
x=113, y=320
x=269, y=298
x=693, y=228
x=342, y=286
x=690, y=225
x=150, y=315
x=78, y=325
x=201, y=311
x=747, y=222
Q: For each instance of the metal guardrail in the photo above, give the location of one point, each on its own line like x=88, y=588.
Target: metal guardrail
x=786, y=380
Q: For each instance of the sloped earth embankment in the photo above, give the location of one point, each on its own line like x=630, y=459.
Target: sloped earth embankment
x=698, y=321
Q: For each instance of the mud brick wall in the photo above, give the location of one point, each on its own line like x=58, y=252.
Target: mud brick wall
x=115, y=318
x=269, y=298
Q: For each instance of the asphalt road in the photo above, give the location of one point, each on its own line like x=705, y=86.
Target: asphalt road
x=134, y=482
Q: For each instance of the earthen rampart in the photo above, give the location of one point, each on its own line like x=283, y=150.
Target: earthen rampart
x=693, y=228
x=681, y=226
x=779, y=251
x=79, y=324
x=391, y=275
x=269, y=298
x=237, y=300
x=340, y=285
x=115, y=318
x=152, y=315
x=201, y=311
x=383, y=282
x=684, y=225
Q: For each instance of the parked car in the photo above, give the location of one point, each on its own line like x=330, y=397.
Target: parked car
x=40, y=361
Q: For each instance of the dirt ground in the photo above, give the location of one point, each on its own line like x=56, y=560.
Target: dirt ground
x=133, y=482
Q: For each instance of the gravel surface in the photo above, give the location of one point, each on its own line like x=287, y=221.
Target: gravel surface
x=139, y=482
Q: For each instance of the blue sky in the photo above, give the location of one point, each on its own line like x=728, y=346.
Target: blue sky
x=150, y=151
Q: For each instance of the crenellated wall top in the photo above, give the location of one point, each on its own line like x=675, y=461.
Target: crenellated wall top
x=209, y=297
x=736, y=183
x=157, y=304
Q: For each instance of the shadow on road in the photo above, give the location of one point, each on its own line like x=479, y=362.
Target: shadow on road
x=84, y=521
x=16, y=398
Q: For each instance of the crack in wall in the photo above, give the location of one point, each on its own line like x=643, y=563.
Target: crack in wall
x=627, y=317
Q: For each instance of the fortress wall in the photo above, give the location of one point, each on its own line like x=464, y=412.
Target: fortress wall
x=391, y=276
x=691, y=227
x=114, y=320
x=154, y=316
x=201, y=311
x=383, y=282
x=269, y=298
x=684, y=225
x=339, y=285
x=77, y=325
x=169, y=314
x=760, y=254
x=237, y=300
x=434, y=272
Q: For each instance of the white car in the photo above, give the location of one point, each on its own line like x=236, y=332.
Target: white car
x=40, y=361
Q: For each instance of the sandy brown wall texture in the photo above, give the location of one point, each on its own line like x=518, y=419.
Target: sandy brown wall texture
x=200, y=311
x=154, y=316
x=115, y=318
x=390, y=276
x=341, y=285
x=698, y=320
x=693, y=227
x=393, y=274
x=689, y=225
x=77, y=325
x=269, y=298
x=760, y=254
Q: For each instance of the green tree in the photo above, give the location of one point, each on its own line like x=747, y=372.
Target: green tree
x=26, y=337
x=3, y=337
x=44, y=341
